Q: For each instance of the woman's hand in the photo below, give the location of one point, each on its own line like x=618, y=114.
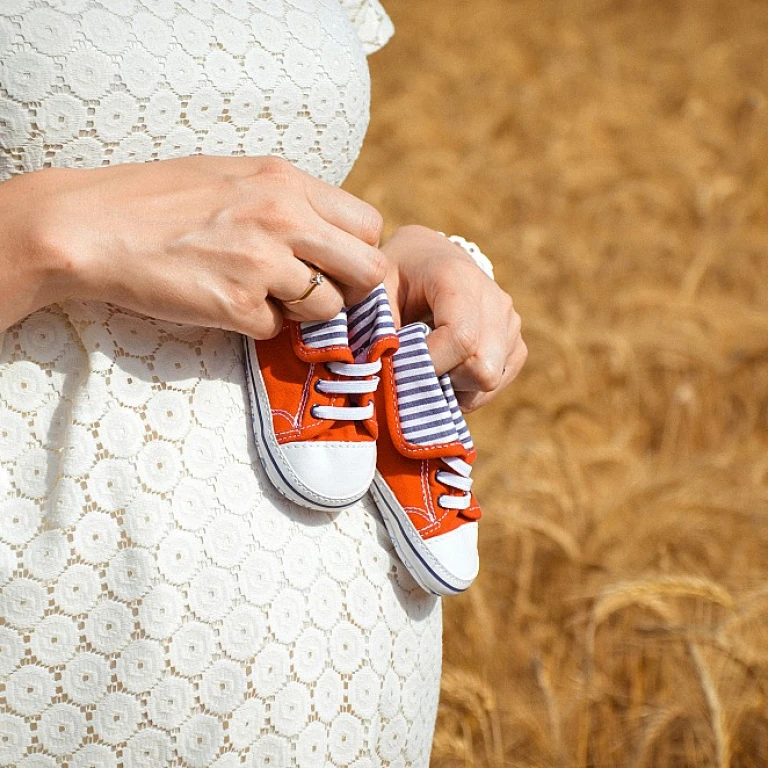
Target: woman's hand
x=214, y=241
x=477, y=331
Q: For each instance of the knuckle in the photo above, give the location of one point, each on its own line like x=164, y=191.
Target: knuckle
x=488, y=375
x=372, y=225
x=266, y=330
x=240, y=302
x=329, y=309
x=276, y=169
x=247, y=309
x=471, y=401
x=278, y=215
x=466, y=336
x=378, y=267
x=471, y=406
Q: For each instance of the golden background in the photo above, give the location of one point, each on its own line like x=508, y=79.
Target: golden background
x=612, y=160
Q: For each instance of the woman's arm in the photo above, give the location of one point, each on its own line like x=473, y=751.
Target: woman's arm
x=199, y=240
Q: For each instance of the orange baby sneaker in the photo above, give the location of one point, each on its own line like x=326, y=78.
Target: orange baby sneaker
x=311, y=391
x=422, y=485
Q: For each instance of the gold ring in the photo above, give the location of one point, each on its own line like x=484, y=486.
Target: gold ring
x=315, y=279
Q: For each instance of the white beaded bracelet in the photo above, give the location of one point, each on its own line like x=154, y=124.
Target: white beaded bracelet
x=475, y=253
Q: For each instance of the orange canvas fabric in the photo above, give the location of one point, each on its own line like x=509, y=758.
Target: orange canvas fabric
x=291, y=370
x=411, y=470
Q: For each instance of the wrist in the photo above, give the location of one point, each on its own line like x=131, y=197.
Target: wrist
x=474, y=252
x=56, y=233
x=34, y=271
x=38, y=244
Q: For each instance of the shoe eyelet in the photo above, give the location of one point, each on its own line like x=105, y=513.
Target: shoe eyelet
x=440, y=501
x=312, y=412
x=317, y=387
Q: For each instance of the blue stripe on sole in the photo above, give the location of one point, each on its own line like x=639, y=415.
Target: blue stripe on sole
x=384, y=503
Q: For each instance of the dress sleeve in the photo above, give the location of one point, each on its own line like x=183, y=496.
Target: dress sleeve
x=373, y=25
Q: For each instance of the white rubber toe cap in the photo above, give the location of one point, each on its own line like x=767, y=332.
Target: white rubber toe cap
x=332, y=472
x=457, y=552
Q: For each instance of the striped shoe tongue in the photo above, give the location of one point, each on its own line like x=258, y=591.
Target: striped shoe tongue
x=458, y=418
x=358, y=326
x=325, y=333
x=429, y=413
x=369, y=321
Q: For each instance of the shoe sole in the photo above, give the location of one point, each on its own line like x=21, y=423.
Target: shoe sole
x=272, y=459
x=426, y=570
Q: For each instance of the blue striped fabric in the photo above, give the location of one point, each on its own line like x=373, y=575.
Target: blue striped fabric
x=458, y=417
x=429, y=413
x=326, y=333
x=368, y=321
x=359, y=326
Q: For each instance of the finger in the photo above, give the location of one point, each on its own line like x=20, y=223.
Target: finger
x=333, y=204
x=457, y=326
x=485, y=370
x=449, y=346
x=291, y=281
x=345, y=211
x=356, y=266
x=265, y=321
x=482, y=372
x=471, y=401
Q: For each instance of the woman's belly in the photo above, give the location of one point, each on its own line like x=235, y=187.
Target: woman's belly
x=158, y=595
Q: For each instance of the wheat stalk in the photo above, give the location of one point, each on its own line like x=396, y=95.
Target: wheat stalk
x=717, y=716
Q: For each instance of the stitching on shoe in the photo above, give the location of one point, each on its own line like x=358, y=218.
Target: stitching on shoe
x=304, y=397
x=426, y=495
x=282, y=413
x=437, y=521
x=297, y=429
x=416, y=511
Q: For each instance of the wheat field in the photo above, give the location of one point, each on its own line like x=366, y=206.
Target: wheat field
x=612, y=159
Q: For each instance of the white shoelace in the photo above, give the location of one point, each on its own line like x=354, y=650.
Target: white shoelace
x=356, y=386
x=457, y=478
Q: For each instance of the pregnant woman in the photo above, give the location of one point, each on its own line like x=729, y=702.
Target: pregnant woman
x=160, y=603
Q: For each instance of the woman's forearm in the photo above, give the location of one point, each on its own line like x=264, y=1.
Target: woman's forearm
x=199, y=240
x=32, y=273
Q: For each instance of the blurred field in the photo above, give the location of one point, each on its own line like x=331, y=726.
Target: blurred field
x=612, y=159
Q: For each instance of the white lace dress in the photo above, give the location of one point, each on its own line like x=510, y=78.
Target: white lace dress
x=160, y=603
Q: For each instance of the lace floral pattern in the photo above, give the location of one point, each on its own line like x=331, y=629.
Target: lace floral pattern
x=160, y=603
x=85, y=84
